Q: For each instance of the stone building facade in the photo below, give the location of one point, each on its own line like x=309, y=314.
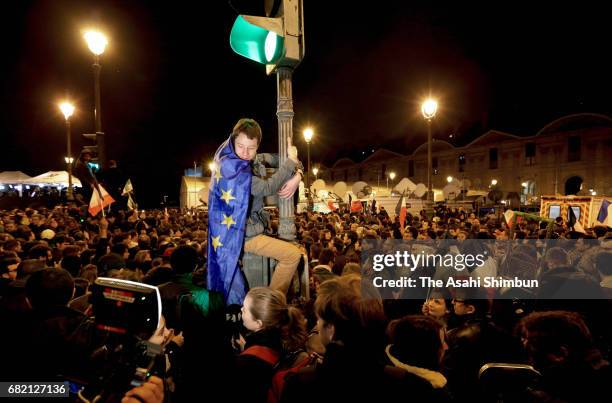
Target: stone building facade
x=567, y=154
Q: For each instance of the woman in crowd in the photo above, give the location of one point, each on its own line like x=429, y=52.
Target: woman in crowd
x=439, y=305
x=417, y=345
x=277, y=334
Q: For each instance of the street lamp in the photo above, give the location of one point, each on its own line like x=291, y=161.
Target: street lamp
x=308, y=133
x=96, y=41
x=493, y=182
x=429, y=109
x=449, y=179
x=68, y=109
x=315, y=171
x=392, y=176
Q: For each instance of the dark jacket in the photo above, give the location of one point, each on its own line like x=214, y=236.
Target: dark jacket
x=253, y=373
x=437, y=390
x=587, y=381
x=49, y=344
x=471, y=345
x=261, y=187
x=114, y=180
x=200, y=315
x=567, y=283
x=84, y=174
x=350, y=376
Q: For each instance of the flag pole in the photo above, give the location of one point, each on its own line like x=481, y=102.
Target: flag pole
x=101, y=200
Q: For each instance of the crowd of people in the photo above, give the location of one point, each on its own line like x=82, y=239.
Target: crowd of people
x=417, y=350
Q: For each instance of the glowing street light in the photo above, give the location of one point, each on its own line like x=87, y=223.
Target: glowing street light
x=96, y=41
x=68, y=110
x=493, y=182
x=429, y=108
x=449, y=179
x=392, y=176
x=308, y=134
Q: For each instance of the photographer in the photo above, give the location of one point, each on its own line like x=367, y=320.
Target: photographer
x=132, y=343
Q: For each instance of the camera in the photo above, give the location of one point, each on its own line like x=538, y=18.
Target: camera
x=126, y=315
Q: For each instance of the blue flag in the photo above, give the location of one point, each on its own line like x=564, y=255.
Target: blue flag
x=228, y=205
x=603, y=211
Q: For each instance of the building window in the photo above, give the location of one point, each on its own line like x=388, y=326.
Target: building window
x=530, y=153
x=461, y=162
x=573, y=148
x=493, y=158
x=411, y=168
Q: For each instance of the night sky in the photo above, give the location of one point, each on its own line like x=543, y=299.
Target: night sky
x=172, y=88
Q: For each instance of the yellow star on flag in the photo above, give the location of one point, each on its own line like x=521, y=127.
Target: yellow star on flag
x=217, y=174
x=228, y=220
x=216, y=242
x=227, y=195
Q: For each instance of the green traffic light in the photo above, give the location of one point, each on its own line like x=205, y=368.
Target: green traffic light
x=256, y=43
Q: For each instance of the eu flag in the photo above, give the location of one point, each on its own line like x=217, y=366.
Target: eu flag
x=228, y=204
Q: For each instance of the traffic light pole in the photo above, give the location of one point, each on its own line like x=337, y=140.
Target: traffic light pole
x=277, y=41
x=284, y=112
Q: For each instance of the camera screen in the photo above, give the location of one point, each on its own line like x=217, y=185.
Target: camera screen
x=126, y=307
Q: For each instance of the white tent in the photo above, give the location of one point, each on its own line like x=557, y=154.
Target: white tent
x=57, y=178
x=194, y=189
x=13, y=177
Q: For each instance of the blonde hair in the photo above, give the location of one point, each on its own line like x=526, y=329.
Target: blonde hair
x=270, y=307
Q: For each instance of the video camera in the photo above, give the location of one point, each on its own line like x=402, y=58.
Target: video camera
x=126, y=315
x=126, y=307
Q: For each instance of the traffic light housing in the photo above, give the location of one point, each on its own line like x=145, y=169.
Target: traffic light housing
x=276, y=40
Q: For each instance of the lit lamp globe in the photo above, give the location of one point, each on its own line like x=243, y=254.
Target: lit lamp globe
x=96, y=42
x=308, y=133
x=429, y=109
x=67, y=109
